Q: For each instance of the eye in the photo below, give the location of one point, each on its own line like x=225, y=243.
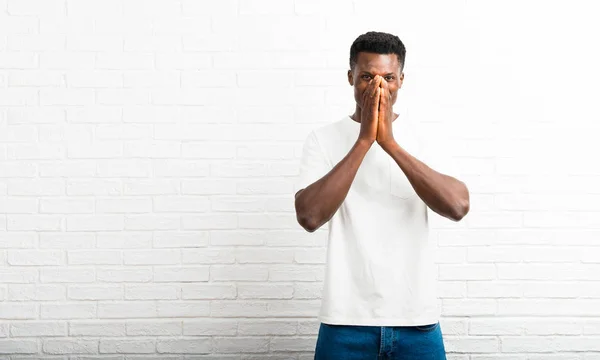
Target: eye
x=389, y=78
x=365, y=77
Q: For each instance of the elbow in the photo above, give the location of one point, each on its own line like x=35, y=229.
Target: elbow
x=460, y=210
x=307, y=223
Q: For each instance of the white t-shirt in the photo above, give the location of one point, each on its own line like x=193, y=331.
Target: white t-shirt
x=380, y=269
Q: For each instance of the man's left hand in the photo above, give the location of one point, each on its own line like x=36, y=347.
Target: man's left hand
x=385, y=135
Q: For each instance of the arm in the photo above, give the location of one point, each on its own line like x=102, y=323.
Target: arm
x=318, y=202
x=443, y=194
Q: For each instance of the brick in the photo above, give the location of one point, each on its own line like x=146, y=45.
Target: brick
x=36, y=257
x=95, y=223
x=68, y=311
x=292, y=344
x=181, y=274
x=38, y=328
x=18, y=275
x=16, y=240
x=495, y=289
x=208, y=79
x=151, y=187
x=129, y=274
x=18, y=60
x=208, y=150
x=196, y=308
x=237, y=204
x=209, y=222
x=66, y=206
x=124, y=61
x=184, y=346
x=123, y=205
x=241, y=344
x=93, y=292
x=472, y=345
x=152, y=257
x=308, y=290
x=154, y=328
x=151, y=292
x=67, y=241
x=18, y=311
x=210, y=327
x=208, y=291
x=208, y=256
x=125, y=240
x=12, y=347
x=152, y=222
x=67, y=275
x=181, y=168
x=35, y=78
x=493, y=327
x=17, y=205
x=462, y=307
x=21, y=292
x=157, y=150
x=138, y=346
x=265, y=291
x=267, y=327
x=238, y=273
x=189, y=239
x=118, y=24
x=94, y=114
x=182, y=61
x=96, y=328
x=127, y=310
x=293, y=308
x=238, y=308
x=467, y=272
x=70, y=346
x=295, y=273
x=188, y=204
x=249, y=256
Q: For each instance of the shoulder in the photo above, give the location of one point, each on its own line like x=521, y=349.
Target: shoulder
x=329, y=132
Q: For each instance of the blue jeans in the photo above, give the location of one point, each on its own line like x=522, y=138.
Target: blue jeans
x=343, y=342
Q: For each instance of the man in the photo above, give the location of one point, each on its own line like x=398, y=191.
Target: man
x=368, y=175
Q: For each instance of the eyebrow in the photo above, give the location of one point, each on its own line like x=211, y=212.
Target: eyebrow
x=366, y=72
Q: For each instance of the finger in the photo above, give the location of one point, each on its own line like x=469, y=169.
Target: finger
x=377, y=84
x=375, y=103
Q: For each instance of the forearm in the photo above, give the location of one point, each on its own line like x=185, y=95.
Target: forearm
x=444, y=194
x=317, y=203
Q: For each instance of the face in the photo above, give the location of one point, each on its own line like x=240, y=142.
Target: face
x=368, y=65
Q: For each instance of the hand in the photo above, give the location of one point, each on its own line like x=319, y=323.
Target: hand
x=385, y=116
x=369, y=112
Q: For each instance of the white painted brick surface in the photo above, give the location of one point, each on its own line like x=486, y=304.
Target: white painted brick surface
x=148, y=150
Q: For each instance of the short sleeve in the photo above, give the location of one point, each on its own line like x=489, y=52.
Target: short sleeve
x=313, y=164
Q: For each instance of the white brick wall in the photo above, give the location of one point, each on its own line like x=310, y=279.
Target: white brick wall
x=148, y=150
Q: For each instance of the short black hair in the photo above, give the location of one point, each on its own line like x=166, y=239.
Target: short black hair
x=378, y=43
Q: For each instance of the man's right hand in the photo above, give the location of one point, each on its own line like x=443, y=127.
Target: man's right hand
x=369, y=113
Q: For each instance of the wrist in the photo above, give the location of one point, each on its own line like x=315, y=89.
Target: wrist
x=388, y=144
x=364, y=143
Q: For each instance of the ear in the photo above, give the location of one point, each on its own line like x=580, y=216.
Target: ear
x=400, y=80
x=350, y=78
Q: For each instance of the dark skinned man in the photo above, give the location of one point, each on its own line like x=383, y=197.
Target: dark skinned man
x=372, y=179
